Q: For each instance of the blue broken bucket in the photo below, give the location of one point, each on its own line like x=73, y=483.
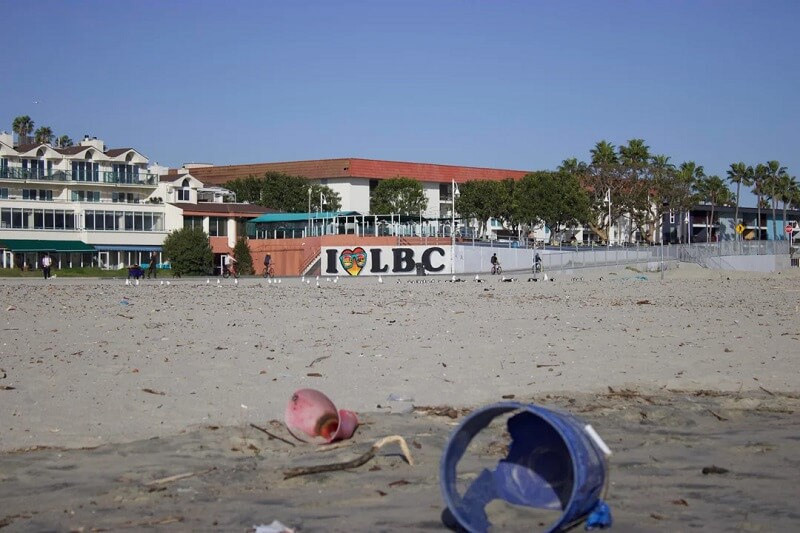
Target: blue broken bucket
x=555, y=461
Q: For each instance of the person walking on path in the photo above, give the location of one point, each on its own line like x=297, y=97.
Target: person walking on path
x=267, y=263
x=47, y=262
x=151, y=268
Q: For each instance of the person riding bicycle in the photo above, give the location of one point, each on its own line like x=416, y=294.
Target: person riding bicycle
x=537, y=263
x=494, y=261
x=230, y=263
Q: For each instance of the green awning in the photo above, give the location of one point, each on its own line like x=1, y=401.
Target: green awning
x=34, y=245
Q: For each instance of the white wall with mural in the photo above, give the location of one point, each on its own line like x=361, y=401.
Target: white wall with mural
x=355, y=260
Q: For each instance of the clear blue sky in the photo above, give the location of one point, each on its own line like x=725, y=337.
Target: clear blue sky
x=516, y=84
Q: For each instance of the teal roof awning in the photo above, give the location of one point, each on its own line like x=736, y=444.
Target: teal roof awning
x=36, y=245
x=127, y=248
x=301, y=217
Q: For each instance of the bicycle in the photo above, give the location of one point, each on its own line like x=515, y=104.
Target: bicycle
x=497, y=269
x=228, y=270
x=536, y=268
x=269, y=272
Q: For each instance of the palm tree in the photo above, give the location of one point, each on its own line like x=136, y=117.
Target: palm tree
x=760, y=173
x=740, y=174
x=635, y=154
x=788, y=193
x=690, y=173
x=775, y=173
x=712, y=189
x=43, y=135
x=603, y=153
x=22, y=126
x=661, y=162
x=64, y=141
x=572, y=166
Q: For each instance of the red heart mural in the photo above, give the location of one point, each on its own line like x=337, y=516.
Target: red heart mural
x=353, y=260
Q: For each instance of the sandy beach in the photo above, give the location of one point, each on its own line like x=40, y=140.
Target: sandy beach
x=129, y=407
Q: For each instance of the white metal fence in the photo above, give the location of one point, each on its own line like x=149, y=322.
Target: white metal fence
x=476, y=258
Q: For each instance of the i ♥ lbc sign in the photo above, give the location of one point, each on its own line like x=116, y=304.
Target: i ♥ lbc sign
x=374, y=260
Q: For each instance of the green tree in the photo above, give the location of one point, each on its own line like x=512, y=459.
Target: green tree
x=244, y=261
x=661, y=162
x=635, y=154
x=760, y=177
x=714, y=191
x=555, y=199
x=398, y=195
x=324, y=198
x=789, y=194
x=65, y=141
x=573, y=167
x=739, y=174
x=43, y=135
x=481, y=200
x=189, y=251
x=22, y=126
x=507, y=211
x=604, y=180
x=772, y=188
x=283, y=192
x=690, y=174
x=604, y=153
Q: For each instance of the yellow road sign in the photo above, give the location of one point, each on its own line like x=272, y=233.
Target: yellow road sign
x=739, y=229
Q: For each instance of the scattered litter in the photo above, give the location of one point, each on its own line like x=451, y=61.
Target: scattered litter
x=312, y=417
x=555, y=461
x=355, y=463
x=399, y=398
x=274, y=527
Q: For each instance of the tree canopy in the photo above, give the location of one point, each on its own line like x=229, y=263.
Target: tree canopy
x=189, y=251
x=555, y=199
x=244, y=261
x=398, y=195
x=283, y=192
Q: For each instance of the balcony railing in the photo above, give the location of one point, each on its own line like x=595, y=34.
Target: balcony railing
x=26, y=174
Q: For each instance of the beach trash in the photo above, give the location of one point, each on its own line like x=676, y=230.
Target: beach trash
x=555, y=462
x=312, y=417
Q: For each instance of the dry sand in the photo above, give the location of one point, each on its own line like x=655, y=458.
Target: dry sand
x=106, y=388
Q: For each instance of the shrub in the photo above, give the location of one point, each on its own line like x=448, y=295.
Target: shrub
x=189, y=252
x=244, y=261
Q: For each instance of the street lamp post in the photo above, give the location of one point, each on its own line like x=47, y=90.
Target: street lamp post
x=308, y=224
x=454, y=191
x=608, y=240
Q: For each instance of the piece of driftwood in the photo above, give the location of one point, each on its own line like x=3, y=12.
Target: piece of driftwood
x=272, y=435
x=177, y=477
x=355, y=463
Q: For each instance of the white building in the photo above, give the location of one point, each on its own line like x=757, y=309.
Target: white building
x=84, y=204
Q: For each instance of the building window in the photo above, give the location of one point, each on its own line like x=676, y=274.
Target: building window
x=33, y=168
x=123, y=221
x=193, y=222
x=55, y=219
x=3, y=167
x=125, y=197
x=85, y=196
x=217, y=227
x=85, y=171
x=4, y=193
x=125, y=173
x=37, y=194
